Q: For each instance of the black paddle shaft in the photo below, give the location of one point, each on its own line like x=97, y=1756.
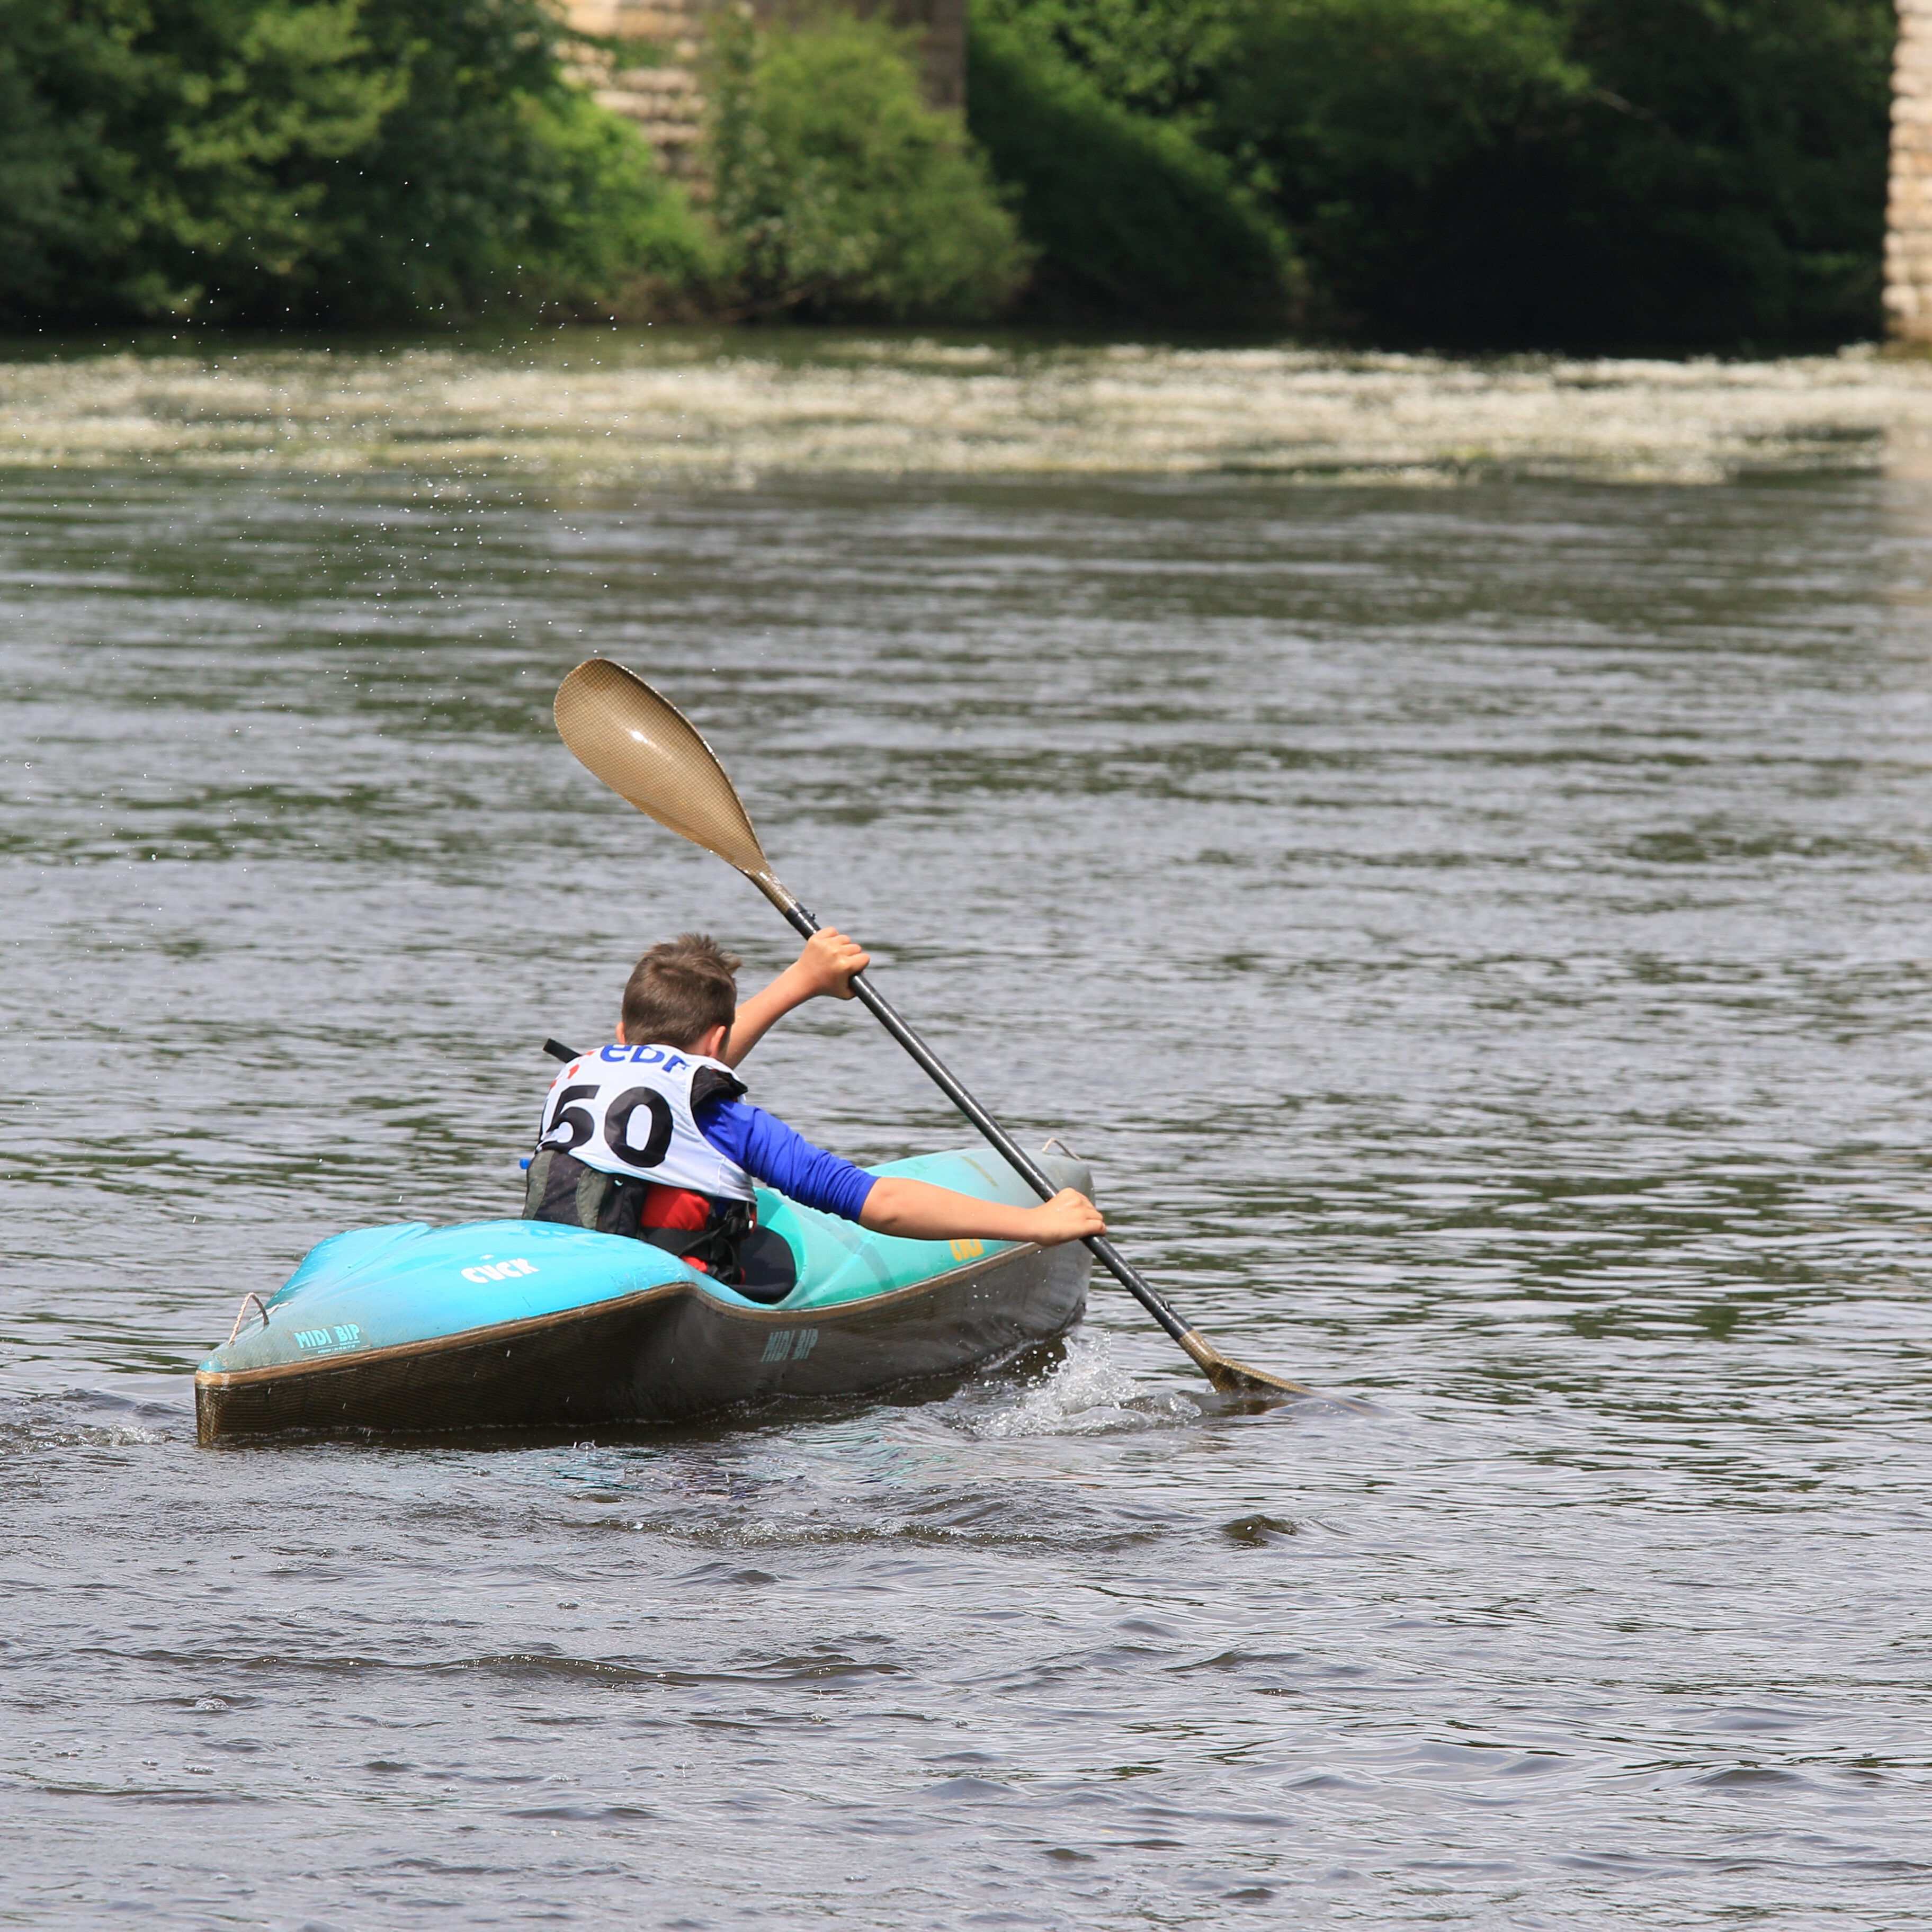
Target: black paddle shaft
x=1023, y=1163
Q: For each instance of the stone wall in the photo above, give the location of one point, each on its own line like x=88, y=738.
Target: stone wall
x=1908, y=226
x=663, y=99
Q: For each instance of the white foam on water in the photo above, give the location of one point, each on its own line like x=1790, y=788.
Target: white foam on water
x=1086, y=1393
x=699, y=405
x=35, y=1423
x=40, y=1435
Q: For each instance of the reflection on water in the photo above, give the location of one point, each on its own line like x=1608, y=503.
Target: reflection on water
x=1478, y=937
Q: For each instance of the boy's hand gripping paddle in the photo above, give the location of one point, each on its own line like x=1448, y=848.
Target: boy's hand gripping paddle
x=646, y=751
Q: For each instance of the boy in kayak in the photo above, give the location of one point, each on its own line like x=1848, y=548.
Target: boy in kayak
x=652, y=1137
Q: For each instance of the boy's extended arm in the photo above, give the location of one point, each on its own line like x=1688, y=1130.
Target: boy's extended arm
x=917, y=1209
x=825, y=966
x=889, y=1204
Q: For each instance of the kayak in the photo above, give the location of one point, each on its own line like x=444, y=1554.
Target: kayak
x=514, y=1324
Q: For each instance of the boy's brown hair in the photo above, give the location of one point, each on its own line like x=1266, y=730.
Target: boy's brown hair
x=678, y=991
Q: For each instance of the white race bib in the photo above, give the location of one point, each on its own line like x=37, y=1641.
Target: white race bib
x=627, y=1110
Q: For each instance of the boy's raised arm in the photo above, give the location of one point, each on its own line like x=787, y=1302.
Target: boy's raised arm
x=825, y=966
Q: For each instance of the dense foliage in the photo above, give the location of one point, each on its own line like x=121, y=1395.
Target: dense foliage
x=1131, y=215
x=348, y=159
x=836, y=190
x=1673, y=172
x=495, y=183
x=1652, y=171
x=1475, y=173
x=1153, y=57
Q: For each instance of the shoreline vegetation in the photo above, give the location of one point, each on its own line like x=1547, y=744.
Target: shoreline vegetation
x=1672, y=175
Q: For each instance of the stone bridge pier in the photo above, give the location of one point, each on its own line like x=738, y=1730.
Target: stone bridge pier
x=1908, y=219
x=662, y=94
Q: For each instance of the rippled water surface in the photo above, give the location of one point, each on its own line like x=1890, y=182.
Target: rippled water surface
x=1479, y=937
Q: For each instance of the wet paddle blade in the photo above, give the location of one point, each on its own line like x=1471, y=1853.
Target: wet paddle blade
x=1233, y=1377
x=1236, y=1378
x=648, y=752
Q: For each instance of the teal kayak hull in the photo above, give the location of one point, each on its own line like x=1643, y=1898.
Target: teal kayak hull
x=515, y=1323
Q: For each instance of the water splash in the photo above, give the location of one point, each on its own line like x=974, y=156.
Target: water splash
x=1086, y=1394
x=35, y=1424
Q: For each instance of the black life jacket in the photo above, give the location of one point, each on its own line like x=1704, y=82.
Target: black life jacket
x=562, y=1188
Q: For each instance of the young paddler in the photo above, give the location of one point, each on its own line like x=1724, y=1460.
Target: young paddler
x=652, y=1137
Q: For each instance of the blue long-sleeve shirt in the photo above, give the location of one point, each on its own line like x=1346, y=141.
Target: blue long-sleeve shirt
x=773, y=1153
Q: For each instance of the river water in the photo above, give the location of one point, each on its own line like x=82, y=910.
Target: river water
x=1477, y=934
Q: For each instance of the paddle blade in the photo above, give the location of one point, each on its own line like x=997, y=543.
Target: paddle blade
x=648, y=752
x=1230, y=1377
x=1233, y=1377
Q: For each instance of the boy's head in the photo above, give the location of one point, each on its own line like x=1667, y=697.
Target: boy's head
x=680, y=991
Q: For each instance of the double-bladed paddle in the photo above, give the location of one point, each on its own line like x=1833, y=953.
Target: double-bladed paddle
x=648, y=752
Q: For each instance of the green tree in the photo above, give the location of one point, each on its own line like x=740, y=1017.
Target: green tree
x=836, y=190
x=1379, y=129
x=38, y=156
x=1724, y=183
x=361, y=160
x=496, y=183
x=1588, y=172
x=1156, y=57
x=171, y=148
x=1134, y=220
